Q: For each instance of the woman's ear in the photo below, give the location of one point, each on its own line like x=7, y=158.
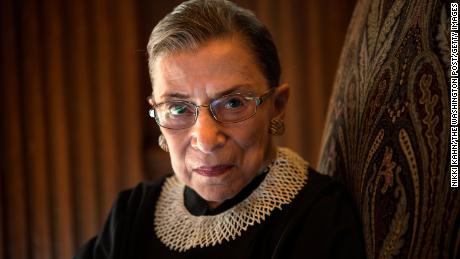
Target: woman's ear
x=281, y=98
x=150, y=100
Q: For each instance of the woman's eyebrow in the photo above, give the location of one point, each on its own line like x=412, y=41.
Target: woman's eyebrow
x=174, y=96
x=242, y=88
x=235, y=89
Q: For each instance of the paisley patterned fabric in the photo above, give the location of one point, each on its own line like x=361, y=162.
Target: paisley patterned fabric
x=387, y=132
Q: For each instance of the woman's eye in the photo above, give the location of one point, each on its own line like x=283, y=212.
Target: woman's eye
x=178, y=109
x=234, y=103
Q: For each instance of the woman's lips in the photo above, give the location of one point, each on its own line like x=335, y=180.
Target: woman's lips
x=212, y=170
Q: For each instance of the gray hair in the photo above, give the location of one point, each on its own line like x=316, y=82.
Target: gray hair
x=195, y=22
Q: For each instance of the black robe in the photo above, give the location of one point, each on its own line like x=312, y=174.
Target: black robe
x=319, y=223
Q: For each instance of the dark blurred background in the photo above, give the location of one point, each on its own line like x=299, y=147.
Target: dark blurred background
x=74, y=125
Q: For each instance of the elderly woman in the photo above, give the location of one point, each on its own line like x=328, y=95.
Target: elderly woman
x=218, y=101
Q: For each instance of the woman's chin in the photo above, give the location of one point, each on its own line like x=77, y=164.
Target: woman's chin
x=214, y=204
x=215, y=197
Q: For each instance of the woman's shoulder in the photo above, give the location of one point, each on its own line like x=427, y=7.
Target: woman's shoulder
x=324, y=217
x=322, y=199
x=320, y=184
x=319, y=179
x=132, y=211
x=144, y=191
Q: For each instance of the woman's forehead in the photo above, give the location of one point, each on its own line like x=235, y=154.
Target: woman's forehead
x=212, y=68
x=228, y=56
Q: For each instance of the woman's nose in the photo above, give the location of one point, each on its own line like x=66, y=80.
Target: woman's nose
x=206, y=133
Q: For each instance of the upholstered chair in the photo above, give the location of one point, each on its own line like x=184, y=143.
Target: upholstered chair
x=388, y=128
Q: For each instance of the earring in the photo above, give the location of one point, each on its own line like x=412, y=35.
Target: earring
x=276, y=127
x=162, y=143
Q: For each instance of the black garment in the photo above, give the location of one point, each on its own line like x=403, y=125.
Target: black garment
x=318, y=223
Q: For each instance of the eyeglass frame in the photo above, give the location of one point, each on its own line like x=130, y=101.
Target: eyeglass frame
x=258, y=99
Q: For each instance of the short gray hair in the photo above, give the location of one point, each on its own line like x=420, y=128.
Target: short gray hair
x=195, y=22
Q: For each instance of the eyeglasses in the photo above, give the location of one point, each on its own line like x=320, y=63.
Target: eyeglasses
x=230, y=108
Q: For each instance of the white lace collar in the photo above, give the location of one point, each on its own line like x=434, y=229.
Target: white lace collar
x=179, y=230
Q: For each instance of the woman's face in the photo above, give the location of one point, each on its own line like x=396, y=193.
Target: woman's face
x=217, y=160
